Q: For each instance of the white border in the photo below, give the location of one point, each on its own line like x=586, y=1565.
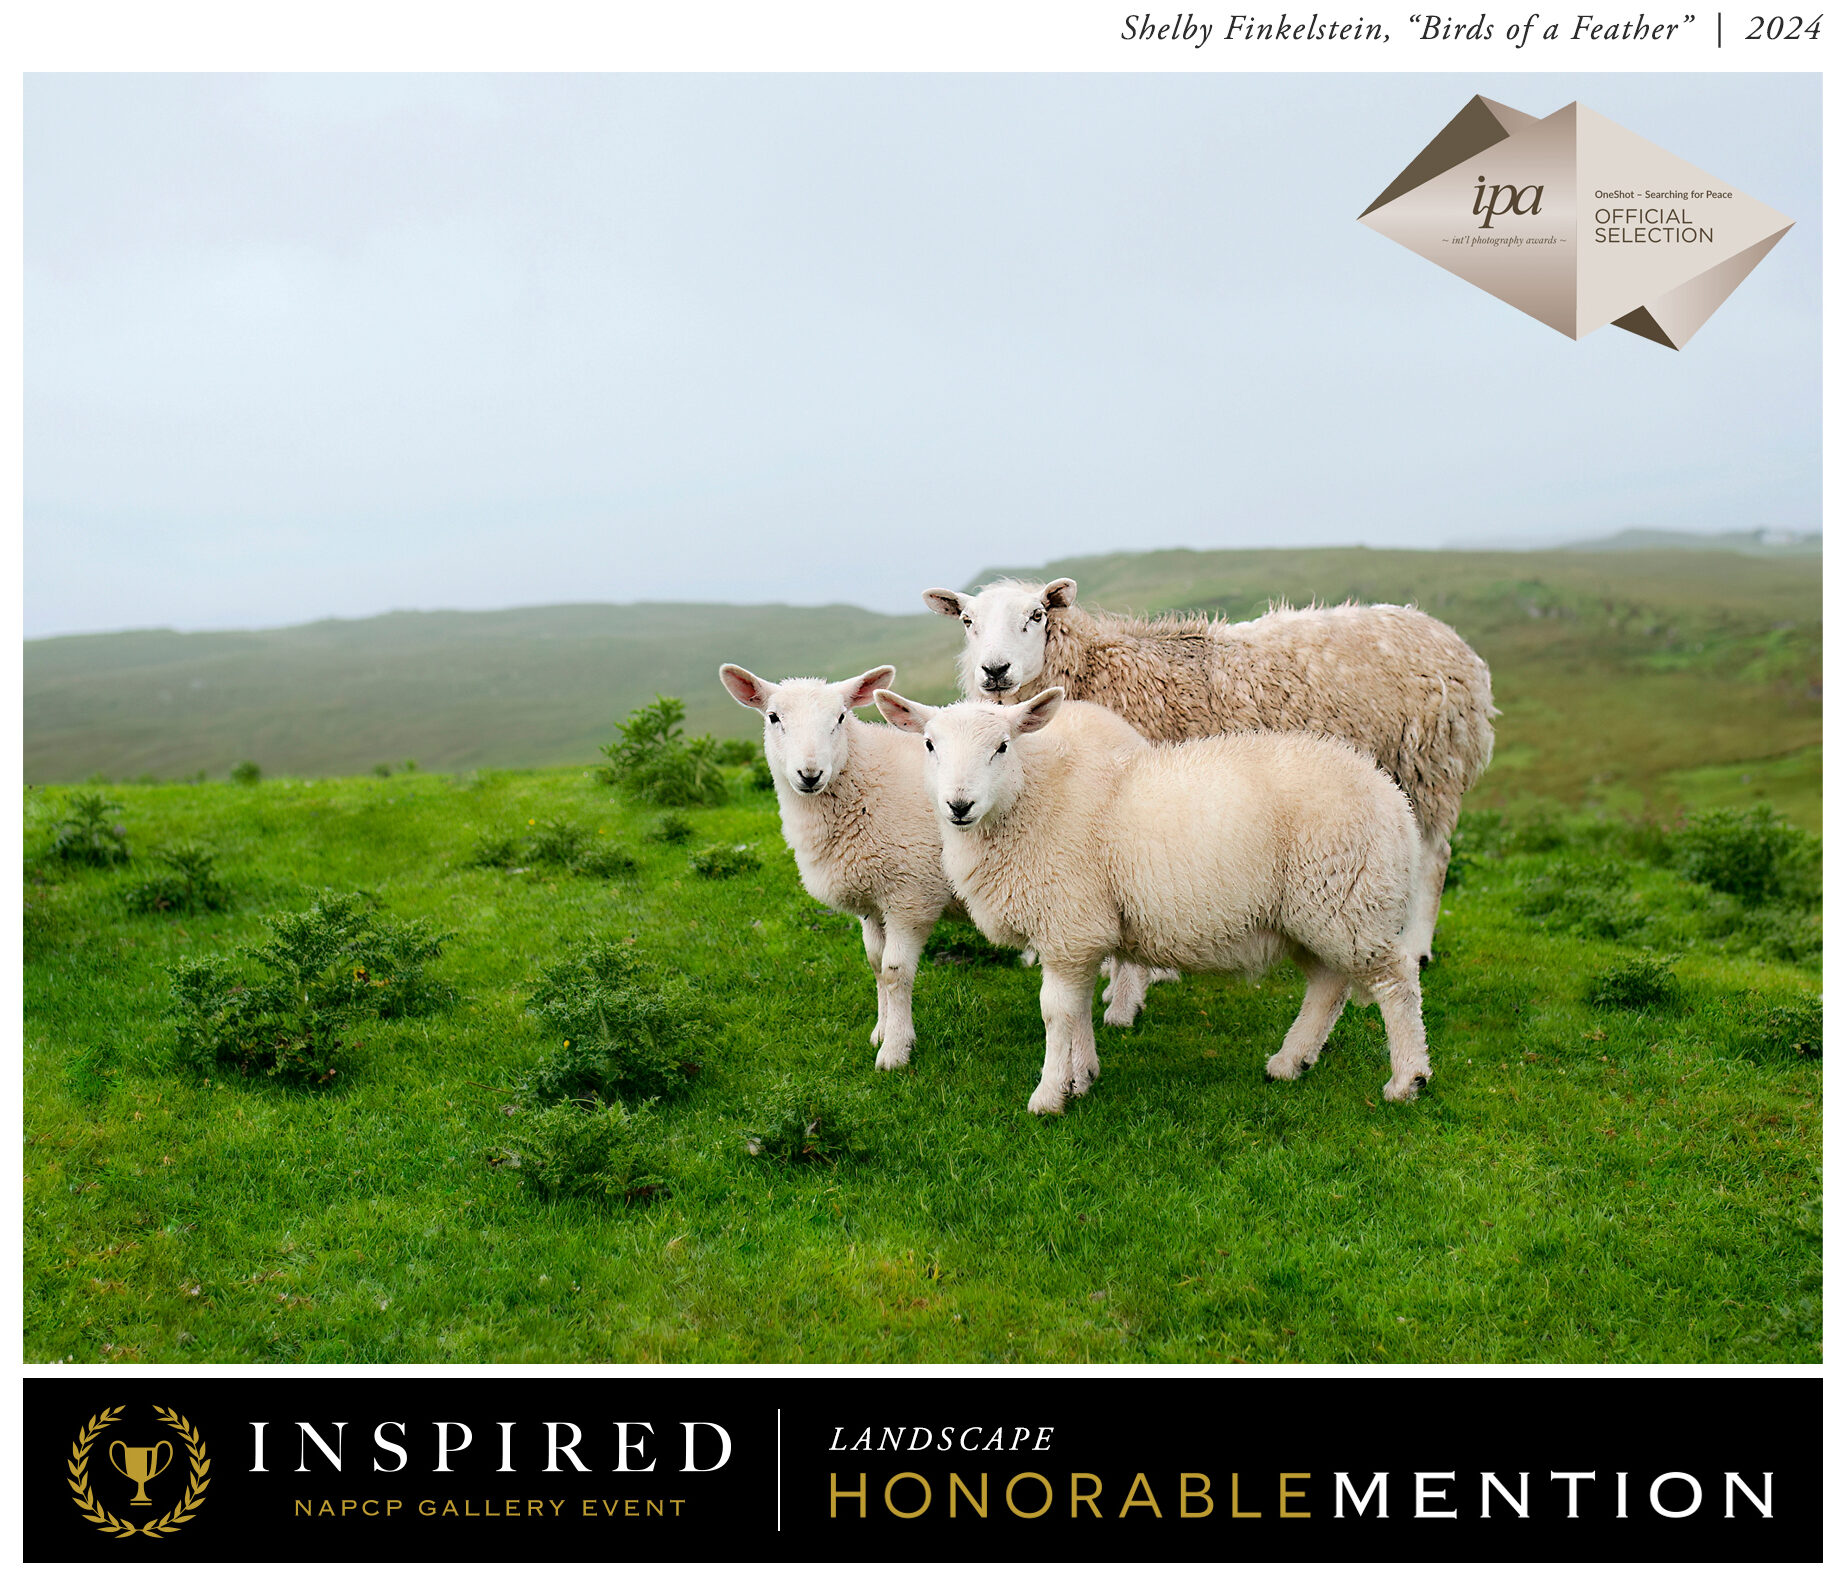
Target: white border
x=756, y=36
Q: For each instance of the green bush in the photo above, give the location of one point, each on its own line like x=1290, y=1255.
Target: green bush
x=1764, y=1028
x=654, y=761
x=761, y=775
x=1751, y=854
x=188, y=885
x=671, y=828
x=1588, y=897
x=1634, y=983
x=735, y=752
x=495, y=851
x=605, y=1153
x=625, y=1029
x=604, y=862
x=554, y=845
x=723, y=860
x=286, y=1007
x=246, y=774
x=87, y=834
x=797, y=1124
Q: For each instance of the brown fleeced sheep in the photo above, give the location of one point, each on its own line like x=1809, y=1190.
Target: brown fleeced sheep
x=1399, y=685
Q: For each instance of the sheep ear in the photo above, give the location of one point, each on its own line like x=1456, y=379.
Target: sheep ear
x=909, y=715
x=747, y=689
x=1059, y=593
x=857, y=692
x=1036, y=712
x=945, y=602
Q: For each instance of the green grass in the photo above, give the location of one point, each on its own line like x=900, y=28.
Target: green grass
x=1618, y=672
x=1578, y=1183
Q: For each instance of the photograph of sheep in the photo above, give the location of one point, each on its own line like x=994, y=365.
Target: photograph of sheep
x=902, y=719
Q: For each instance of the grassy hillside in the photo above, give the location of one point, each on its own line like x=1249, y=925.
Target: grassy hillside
x=1637, y=680
x=1633, y=1178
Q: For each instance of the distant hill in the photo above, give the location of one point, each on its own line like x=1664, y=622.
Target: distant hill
x=1764, y=542
x=1628, y=677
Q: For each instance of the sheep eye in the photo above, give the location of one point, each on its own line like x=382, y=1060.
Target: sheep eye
x=1005, y=745
x=772, y=717
x=1037, y=617
x=968, y=622
x=841, y=718
x=930, y=744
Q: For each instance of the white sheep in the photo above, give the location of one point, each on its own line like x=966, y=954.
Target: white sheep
x=1400, y=686
x=1219, y=854
x=855, y=811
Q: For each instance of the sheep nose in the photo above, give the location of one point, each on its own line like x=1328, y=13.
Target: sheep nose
x=996, y=671
x=809, y=780
x=959, y=808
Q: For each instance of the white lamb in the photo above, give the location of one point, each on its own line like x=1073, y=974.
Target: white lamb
x=1399, y=685
x=856, y=813
x=1214, y=855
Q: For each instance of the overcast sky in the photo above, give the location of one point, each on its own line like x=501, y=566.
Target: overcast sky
x=310, y=346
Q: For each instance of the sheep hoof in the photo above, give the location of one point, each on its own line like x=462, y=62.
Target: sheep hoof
x=1046, y=1101
x=891, y=1057
x=1120, y=1015
x=1404, y=1089
x=1281, y=1067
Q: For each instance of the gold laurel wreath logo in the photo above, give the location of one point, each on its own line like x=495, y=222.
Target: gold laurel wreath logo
x=158, y=1526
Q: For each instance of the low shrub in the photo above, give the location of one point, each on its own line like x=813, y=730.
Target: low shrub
x=1588, y=897
x=604, y=1153
x=1764, y=1029
x=735, y=752
x=761, y=775
x=654, y=761
x=604, y=862
x=246, y=774
x=797, y=1124
x=286, y=1007
x=1751, y=854
x=495, y=851
x=626, y=1030
x=720, y=861
x=553, y=845
x=88, y=834
x=1635, y=983
x=671, y=828
x=188, y=884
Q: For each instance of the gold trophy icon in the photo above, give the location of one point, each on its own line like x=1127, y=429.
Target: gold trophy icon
x=139, y=1463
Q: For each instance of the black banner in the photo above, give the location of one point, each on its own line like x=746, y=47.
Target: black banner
x=781, y=1467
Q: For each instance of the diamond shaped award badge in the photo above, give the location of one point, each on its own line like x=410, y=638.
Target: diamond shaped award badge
x=1577, y=221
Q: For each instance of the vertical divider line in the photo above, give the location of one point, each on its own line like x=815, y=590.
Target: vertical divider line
x=777, y=1469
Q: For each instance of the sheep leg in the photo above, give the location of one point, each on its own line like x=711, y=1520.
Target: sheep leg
x=1125, y=996
x=901, y=952
x=1424, y=907
x=1398, y=994
x=873, y=950
x=1326, y=991
x=1070, y=1064
x=1126, y=991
